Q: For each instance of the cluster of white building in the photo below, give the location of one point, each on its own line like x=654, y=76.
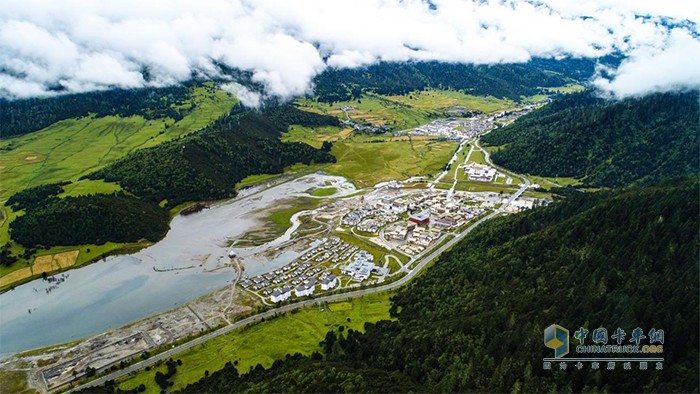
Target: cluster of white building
x=480, y=172
x=362, y=267
x=302, y=279
x=450, y=128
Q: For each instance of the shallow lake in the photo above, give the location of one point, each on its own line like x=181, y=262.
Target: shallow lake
x=187, y=264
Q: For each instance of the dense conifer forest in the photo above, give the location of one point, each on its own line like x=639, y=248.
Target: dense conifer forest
x=93, y=219
x=635, y=141
x=34, y=195
x=474, y=321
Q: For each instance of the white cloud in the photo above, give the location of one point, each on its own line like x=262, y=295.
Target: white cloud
x=248, y=98
x=674, y=66
x=84, y=45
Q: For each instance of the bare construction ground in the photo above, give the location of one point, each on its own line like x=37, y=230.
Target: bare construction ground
x=58, y=367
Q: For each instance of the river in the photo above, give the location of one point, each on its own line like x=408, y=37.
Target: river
x=188, y=263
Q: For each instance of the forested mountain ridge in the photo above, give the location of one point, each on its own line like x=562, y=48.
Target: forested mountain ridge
x=474, y=321
x=502, y=80
x=208, y=164
x=611, y=144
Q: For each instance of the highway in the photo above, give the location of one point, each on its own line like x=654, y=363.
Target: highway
x=424, y=261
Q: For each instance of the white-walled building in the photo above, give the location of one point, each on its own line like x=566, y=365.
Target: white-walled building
x=329, y=282
x=306, y=289
x=479, y=172
x=280, y=295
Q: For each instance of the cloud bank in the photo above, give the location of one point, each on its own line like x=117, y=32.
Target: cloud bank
x=84, y=45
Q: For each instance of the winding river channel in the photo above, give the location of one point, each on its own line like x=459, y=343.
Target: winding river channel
x=188, y=263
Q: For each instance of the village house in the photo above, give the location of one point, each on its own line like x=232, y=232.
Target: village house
x=445, y=222
x=282, y=294
x=306, y=289
x=329, y=282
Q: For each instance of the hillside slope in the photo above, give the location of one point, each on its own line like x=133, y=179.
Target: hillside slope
x=208, y=164
x=635, y=141
x=475, y=320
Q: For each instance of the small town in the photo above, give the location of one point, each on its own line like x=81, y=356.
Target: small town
x=402, y=222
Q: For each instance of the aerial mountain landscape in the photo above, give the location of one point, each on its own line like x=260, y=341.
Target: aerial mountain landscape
x=374, y=196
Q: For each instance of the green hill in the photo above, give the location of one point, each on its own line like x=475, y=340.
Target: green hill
x=25, y=116
x=208, y=164
x=475, y=320
x=71, y=148
x=635, y=141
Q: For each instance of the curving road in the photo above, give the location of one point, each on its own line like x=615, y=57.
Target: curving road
x=424, y=261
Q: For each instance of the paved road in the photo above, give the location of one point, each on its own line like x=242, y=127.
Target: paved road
x=425, y=260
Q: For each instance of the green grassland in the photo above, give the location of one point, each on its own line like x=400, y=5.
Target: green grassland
x=254, y=179
x=88, y=186
x=548, y=183
x=315, y=136
x=282, y=216
x=377, y=251
x=271, y=340
x=570, y=88
x=475, y=186
x=407, y=111
x=370, y=163
x=367, y=160
x=393, y=265
x=274, y=223
x=367, y=163
x=324, y=192
x=445, y=99
x=14, y=382
x=478, y=157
